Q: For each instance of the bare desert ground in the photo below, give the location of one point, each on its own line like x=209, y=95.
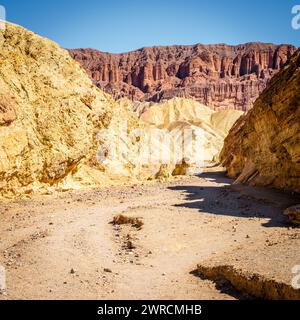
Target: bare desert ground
x=198, y=232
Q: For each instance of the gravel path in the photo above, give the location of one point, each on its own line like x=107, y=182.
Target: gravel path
x=63, y=246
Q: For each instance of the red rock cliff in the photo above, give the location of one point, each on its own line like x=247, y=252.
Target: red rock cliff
x=221, y=76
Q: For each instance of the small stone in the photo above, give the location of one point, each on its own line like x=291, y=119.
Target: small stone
x=107, y=270
x=130, y=245
x=293, y=213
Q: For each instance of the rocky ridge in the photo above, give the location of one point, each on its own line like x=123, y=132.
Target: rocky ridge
x=50, y=115
x=263, y=147
x=59, y=132
x=220, y=76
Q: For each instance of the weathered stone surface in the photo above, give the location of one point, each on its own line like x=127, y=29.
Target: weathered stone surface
x=293, y=213
x=52, y=119
x=182, y=118
x=7, y=110
x=219, y=76
x=263, y=147
x=50, y=114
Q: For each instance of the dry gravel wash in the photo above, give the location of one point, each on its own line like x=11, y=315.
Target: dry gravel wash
x=63, y=247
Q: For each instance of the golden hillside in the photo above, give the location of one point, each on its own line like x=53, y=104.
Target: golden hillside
x=181, y=113
x=55, y=124
x=50, y=114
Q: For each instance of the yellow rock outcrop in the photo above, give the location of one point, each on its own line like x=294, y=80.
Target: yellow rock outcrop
x=180, y=114
x=263, y=148
x=50, y=115
x=59, y=132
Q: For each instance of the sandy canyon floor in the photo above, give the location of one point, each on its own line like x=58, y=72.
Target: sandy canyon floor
x=63, y=246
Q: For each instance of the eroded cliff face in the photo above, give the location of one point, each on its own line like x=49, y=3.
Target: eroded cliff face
x=50, y=115
x=263, y=148
x=191, y=133
x=219, y=76
x=58, y=131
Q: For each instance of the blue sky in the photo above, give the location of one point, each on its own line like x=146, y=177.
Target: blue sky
x=124, y=25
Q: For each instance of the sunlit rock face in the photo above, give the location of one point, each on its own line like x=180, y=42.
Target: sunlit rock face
x=50, y=115
x=219, y=76
x=263, y=148
x=189, y=131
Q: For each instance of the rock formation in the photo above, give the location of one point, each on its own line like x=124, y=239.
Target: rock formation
x=196, y=132
x=293, y=213
x=263, y=147
x=219, y=76
x=59, y=132
x=50, y=115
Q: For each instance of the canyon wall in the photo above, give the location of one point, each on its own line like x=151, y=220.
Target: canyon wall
x=219, y=76
x=50, y=115
x=263, y=147
x=59, y=132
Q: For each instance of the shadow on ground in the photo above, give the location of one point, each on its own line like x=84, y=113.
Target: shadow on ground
x=224, y=286
x=221, y=197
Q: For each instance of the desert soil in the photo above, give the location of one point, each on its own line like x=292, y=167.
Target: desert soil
x=63, y=246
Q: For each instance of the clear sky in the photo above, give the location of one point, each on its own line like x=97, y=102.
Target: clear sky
x=124, y=25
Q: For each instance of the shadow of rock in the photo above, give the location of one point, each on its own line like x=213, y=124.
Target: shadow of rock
x=224, y=286
x=221, y=197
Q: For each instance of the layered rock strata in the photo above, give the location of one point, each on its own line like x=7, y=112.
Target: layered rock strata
x=219, y=76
